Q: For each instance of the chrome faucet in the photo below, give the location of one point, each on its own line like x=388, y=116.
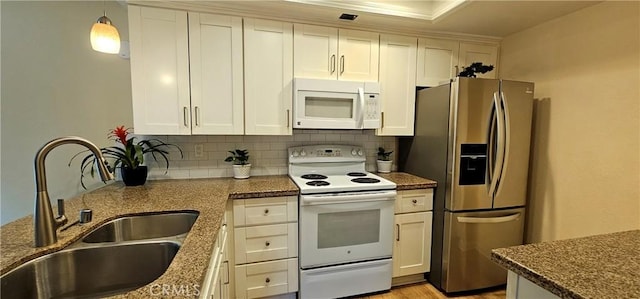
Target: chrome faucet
x=45, y=225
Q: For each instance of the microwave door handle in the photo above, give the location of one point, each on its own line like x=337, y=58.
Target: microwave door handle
x=360, y=124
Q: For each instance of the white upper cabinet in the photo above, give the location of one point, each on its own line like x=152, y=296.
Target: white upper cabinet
x=159, y=71
x=437, y=61
x=215, y=48
x=397, y=88
x=316, y=51
x=358, y=51
x=186, y=76
x=331, y=53
x=488, y=55
x=441, y=60
x=268, y=76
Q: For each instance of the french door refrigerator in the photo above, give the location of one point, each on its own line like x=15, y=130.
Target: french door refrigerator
x=472, y=136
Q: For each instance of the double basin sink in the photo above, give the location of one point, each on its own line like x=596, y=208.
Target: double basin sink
x=118, y=256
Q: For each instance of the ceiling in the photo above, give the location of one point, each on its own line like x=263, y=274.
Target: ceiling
x=468, y=17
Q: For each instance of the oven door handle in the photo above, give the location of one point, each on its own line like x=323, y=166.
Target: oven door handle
x=346, y=198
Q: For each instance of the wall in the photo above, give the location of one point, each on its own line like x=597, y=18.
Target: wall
x=54, y=84
x=585, y=165
x=268, y=154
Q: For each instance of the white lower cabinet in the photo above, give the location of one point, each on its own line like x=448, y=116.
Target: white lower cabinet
x=265, y=246
x=267, y=278
x=216, y=281
x=519, y=287
x=412, y=243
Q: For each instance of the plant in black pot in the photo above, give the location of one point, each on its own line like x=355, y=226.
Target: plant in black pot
x=241, y=167
x=128, y=156
x=384, y=160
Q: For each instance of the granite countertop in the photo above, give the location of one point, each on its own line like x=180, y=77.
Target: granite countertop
x=405, y=181
x=602, y=266
x=207, y=196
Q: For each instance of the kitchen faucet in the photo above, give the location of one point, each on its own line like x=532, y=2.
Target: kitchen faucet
x=45, y=225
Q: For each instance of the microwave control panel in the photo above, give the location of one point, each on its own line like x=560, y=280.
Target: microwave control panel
x=371, y=107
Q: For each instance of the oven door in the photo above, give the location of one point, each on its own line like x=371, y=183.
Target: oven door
x=345, y=227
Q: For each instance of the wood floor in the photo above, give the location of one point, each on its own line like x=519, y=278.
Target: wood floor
x=426, y=290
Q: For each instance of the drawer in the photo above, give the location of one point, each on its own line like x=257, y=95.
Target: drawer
x=269, y=210
x=418, y=200
x=265, y=242
x=266, y=278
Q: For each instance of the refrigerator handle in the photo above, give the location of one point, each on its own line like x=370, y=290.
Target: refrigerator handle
x=500, y=219
x=499, y=159
x=491, y=131
x=502, y=142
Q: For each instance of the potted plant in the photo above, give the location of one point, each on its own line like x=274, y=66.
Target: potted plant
x=128, y=156
x=241, y=169
x=384, y=161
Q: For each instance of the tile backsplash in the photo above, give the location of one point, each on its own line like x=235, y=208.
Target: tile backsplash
x=204, y=155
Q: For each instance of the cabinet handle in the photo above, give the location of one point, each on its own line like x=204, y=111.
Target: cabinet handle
x=267, y=280
x=266, y=211
x=267, y=244
x=398, y=229
x=333, y=63
x=341, y=64
x=226, y=280
x=457, y=72
x=382, y=120
x=288, y=118
x=197, y=112
x=415, y=201
x=184, y=115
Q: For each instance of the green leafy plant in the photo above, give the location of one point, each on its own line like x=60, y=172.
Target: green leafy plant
x=383, y=155
x=128, y=154
x=238, y=157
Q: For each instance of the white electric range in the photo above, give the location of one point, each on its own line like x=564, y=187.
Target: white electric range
x=346, y=222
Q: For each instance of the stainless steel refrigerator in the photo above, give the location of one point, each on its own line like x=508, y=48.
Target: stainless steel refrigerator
x=472, y=136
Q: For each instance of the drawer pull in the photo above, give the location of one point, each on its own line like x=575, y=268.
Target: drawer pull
x=266, y=211
x=415, y=201
x=267, y=244
x=267, y=280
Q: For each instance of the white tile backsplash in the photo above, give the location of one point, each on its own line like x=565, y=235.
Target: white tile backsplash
x=268, y=154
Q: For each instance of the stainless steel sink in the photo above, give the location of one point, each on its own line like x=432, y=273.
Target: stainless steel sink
x=90, y=271
x=148, y=226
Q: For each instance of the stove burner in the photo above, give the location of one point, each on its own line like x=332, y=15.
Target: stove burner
x=318, y=183
x=314, y=176
x=356, y=174
x=366, y=180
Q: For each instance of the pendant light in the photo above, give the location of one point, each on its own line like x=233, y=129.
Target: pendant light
x=104, y=36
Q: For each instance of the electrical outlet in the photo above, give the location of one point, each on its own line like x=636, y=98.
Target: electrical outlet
x=199, y=150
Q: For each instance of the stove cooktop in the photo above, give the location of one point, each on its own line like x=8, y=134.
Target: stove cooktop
x=333, y=183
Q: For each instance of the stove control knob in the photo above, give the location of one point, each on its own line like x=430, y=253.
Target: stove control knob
x=354, y=152
x=295, y=153
x=303, y=153
x=360, y=153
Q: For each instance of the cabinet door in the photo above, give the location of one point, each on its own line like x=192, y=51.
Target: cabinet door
x=397, y=88
x=358, y=53
x=488, y=55
x=268, y=74
x=412, y=246
x=315, y=53
x=437, y=61
x=215, y=48
x=159, y=71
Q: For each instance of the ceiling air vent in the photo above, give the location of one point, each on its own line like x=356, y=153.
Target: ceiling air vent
x=346, y=16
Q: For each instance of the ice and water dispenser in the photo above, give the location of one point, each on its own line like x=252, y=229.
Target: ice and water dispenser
x=473, y=164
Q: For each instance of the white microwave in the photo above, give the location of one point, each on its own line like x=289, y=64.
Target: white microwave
x=332, y=104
